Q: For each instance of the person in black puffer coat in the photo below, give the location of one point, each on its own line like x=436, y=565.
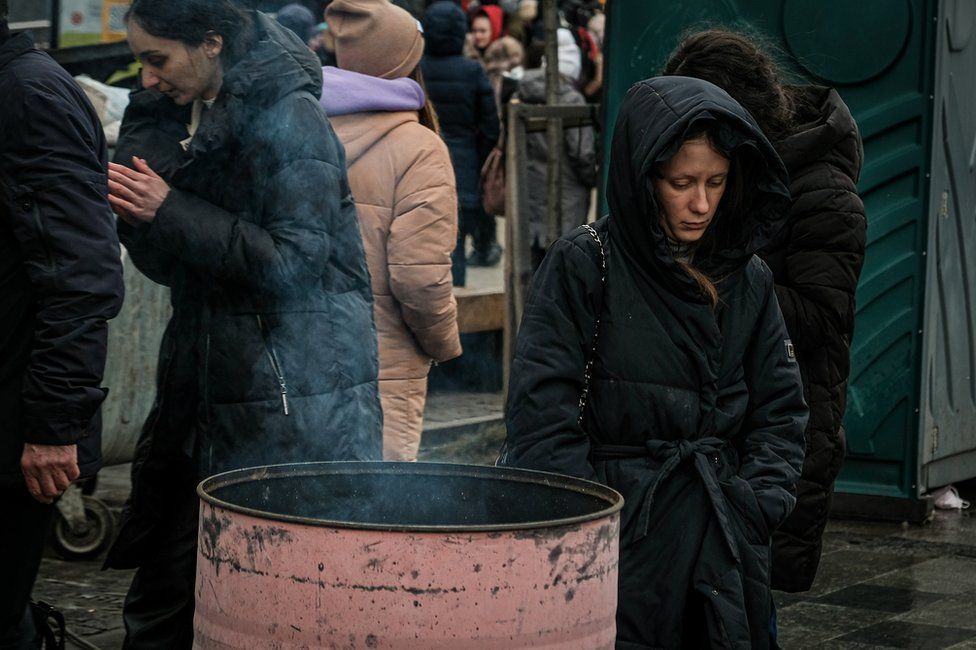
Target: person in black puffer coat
x=661, y=367
x=237, y=200
x=465, y=104
x=816, y=262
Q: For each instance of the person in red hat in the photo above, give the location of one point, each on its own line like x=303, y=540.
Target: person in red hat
x=487, y=26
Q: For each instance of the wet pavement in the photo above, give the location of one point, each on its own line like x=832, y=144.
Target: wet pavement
x=890, y=586
x=880, y=585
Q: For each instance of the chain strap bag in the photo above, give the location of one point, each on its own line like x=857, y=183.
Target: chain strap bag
x=502, y=459
x=588, y=368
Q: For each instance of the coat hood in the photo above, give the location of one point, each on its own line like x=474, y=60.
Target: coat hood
x=827, y=133
x=495, y=16
x=277, y=64
x=358, y=133
x=445, y=28
x=652, y=122
x=345, y=92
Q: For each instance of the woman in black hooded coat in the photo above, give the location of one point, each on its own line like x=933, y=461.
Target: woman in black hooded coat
x=693, y=408
x=270, y=355
x=816, y=261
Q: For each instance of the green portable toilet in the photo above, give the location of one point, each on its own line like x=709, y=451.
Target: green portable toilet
x=905, y=67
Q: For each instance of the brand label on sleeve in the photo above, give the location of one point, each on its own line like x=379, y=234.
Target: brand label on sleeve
x=790, y=351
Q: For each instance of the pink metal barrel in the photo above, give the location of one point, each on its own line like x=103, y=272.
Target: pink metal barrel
x=407, y=556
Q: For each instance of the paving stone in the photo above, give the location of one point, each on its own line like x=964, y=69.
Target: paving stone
x=880, y=598
x=941, y=575
x=792, y=638
x=952, y=611
x=902, y=634
x=849, y=566
x=965, y=645
x=836, y=644
x=947, y=526
x=820, y=621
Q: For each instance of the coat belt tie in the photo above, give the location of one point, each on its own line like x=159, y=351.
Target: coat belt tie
x=703, y=452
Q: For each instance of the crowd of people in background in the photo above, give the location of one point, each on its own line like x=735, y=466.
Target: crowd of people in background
x=505, y=39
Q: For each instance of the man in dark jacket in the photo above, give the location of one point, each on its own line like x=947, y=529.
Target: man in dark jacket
x=465, y=103
x=60, y=281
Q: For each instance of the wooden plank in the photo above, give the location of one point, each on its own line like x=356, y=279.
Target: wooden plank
x=480, y=310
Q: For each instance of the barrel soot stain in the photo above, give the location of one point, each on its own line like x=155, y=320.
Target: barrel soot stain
x=555, y=554
x=212, y=527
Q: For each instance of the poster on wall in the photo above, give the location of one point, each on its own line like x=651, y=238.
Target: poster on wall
x=91, y=22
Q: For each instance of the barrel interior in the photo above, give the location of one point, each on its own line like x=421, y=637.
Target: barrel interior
x=411, y=497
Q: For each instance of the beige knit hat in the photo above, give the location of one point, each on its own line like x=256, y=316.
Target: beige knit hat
x=375, y=37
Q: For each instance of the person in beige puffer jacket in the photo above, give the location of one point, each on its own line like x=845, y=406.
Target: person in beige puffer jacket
x=403, y=184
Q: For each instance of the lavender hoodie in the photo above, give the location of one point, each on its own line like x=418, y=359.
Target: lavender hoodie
x=345, y=92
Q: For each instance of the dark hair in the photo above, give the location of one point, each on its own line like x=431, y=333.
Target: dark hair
x=721, y=233
x=427, y=115
x=740, y=65
x=190, y=21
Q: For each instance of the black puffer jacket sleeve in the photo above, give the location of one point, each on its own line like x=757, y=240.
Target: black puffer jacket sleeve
x=290, y=248
x=823, y=260
x=771, y=443
x=152, y=262
x=140, y=120
x=66, y=233
x=554, y=342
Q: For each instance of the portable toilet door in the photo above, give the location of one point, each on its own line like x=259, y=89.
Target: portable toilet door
x=947, y=441
x=881, y=57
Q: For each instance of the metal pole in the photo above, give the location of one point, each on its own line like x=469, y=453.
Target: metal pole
x=554, y=130
x=54, y=36
x=518, y=260
x=512, y=247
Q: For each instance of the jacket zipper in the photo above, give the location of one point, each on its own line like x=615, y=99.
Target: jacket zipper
x=275, y=364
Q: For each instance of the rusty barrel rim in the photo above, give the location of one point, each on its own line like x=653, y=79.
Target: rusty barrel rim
x=613, y=498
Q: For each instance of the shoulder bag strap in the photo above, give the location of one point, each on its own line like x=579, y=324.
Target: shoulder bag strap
x=588, y=369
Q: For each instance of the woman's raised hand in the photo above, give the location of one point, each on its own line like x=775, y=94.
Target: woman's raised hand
x=135, y=194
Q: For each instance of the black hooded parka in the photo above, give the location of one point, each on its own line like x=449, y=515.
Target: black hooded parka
x=270, y=355
x=816, y=263
x=694, y=414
